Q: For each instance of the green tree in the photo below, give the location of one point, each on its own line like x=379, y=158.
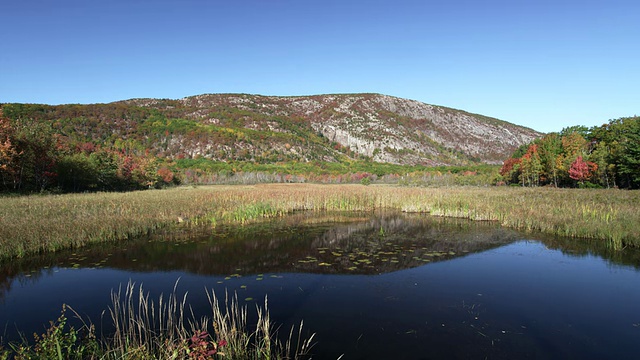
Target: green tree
x=573, y=145
x=629, y=159
x=76, y=172
x=603, y=174
x=581, y=130
x=106, y=166
x=38, y=147
x=549, y=148
x=531, y=167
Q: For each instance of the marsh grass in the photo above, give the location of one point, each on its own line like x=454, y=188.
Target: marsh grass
x=609, y=215
x=37, y=224
x=167, y=328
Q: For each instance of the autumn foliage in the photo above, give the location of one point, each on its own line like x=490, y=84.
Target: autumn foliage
x=8, y=152
x=604, y=156
x=35, y=158
x=582, y=170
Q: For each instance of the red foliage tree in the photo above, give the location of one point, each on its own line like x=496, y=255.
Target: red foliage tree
x=166, y=174
x=582, y=170
x=508, y=165
x=508, y=170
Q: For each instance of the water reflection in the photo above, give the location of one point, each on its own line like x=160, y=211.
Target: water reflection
x=305, y=242
x=417, y=286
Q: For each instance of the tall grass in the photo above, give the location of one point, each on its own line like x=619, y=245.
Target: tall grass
x=609, y=215
x=35, y=224
x=167, y=329
x=38, y=223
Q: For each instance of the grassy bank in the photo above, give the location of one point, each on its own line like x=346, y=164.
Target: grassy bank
x=38, y=223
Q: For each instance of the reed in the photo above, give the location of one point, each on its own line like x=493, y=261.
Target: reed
x=167, y=328
x=37, y=223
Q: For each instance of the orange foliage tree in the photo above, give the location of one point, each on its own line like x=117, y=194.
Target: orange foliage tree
x=8, y=151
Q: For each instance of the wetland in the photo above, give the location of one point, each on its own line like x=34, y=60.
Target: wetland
x=368, y=284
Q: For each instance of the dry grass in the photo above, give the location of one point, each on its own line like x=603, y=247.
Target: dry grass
x=166, y=328
x=34, y=224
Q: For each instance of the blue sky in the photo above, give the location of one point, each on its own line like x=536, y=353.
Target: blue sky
x=542, y=64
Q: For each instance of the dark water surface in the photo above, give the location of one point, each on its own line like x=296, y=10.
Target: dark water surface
x=391, y=286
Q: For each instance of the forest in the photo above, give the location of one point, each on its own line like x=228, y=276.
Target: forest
x=114, y=147
x=606, y=156
x=35, y=158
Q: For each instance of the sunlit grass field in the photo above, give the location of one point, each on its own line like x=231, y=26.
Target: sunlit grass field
x=44, y=223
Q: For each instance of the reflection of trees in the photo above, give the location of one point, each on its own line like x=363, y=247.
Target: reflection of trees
x=23, y=271
x=278, y=246
x=364, y=244
x=590, y=247
x=399, y=241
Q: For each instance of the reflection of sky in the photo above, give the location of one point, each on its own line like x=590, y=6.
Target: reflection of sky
x=517, y=301
x=278, y=247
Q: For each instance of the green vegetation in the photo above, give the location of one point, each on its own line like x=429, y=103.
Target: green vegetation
x=46, y=223
x=120, y=147
x=165, y=329
x=35, y=158
x=606, y=156
x=68, y=149
x=206, y=172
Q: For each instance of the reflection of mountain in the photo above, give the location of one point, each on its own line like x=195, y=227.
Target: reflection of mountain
x=370, y=245
x=395, y=242
x=305, y=242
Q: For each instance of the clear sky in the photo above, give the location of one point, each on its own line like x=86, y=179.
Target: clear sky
x=545, y=64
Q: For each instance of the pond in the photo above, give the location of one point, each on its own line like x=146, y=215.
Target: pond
x=382, y=285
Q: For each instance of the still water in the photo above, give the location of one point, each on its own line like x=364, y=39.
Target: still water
x=370, y=286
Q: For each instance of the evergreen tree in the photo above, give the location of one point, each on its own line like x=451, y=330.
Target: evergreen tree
x=629, y=166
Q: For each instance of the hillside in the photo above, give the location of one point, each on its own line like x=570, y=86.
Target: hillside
x=269, y=129
x=383, y=128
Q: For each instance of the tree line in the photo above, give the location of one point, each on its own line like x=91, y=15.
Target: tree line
x=603, y=156
x=35, y=158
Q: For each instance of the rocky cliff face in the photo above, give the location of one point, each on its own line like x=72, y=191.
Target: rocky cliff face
x=384, y=128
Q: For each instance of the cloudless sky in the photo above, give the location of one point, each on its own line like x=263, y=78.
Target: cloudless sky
x=544, y=64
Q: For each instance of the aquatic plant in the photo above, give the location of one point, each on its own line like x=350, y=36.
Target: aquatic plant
x=36, y=224
x=59, y=342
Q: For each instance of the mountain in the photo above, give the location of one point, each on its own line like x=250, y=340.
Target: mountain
x=266, y=129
